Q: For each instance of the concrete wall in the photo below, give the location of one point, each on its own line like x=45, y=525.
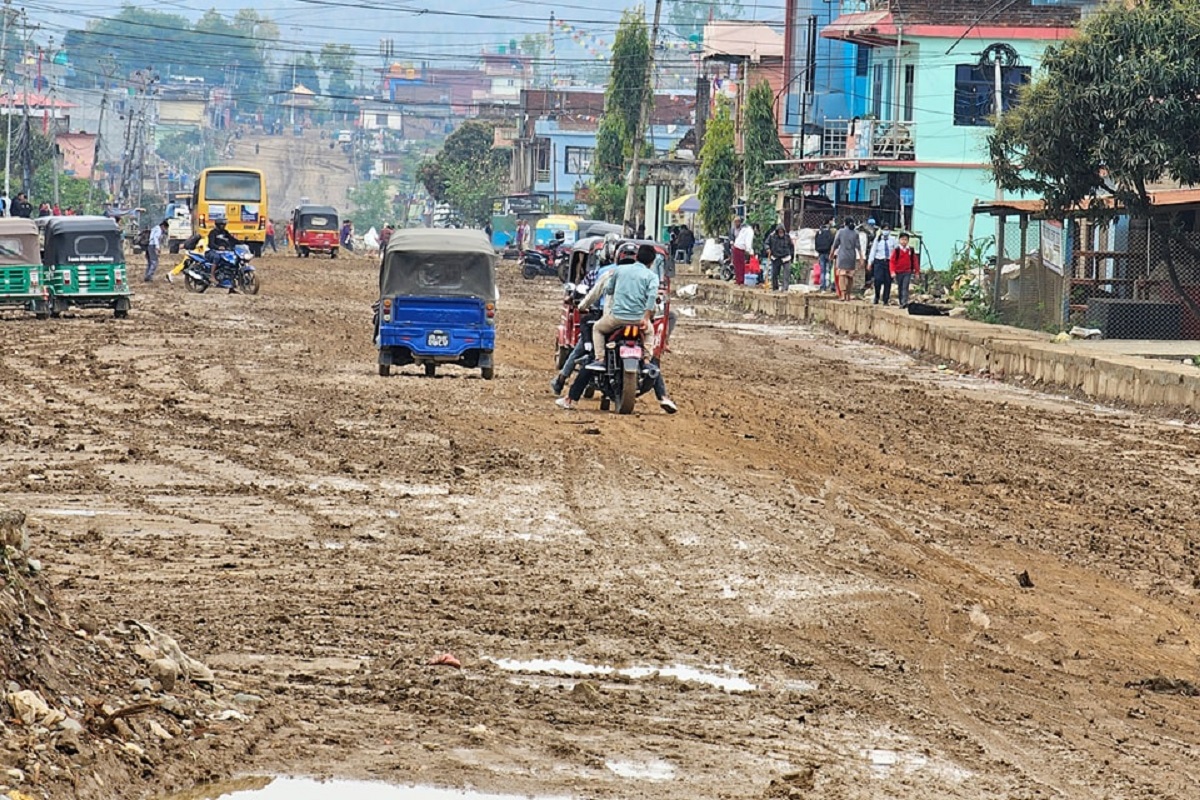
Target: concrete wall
x=997, y=349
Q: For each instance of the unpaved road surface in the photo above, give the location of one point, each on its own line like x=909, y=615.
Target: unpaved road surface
x=297, y=167
x=803, y=584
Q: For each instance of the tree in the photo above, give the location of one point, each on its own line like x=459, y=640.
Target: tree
x=1112, y=112
x=122, y=39
x=467, y=173
x=688, y=17
x=718, y=171
x=372, y=203
x=761, y=144
x=303, y=68
x=622, y=108
x=337, y=62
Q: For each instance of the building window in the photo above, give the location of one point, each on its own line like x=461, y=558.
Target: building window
x=579, y=160
x=381, y=120
x=862, y=61
x=975, y=92
x=910, y=78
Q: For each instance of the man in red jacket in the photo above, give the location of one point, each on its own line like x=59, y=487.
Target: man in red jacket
x=904, y=265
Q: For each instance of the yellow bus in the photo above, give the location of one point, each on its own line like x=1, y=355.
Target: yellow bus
x=237, y=194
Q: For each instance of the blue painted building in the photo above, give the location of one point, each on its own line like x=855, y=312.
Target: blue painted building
x=826, y=79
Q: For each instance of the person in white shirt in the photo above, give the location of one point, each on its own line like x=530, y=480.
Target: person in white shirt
x=880, y=259
x=157, y=235
x=743, y=246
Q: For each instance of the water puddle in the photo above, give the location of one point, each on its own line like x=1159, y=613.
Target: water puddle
x=885, y=763
x=727, y=680
x=308, y=789
x=654, y=770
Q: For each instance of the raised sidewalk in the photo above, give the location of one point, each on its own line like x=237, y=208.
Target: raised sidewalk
x=1134, y=372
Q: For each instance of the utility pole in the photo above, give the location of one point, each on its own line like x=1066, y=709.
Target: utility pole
x=108, y=65
x=26, y=135
x=643, y=118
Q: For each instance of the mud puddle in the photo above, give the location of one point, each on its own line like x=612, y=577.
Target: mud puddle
x=309, y=789
x=727, y=680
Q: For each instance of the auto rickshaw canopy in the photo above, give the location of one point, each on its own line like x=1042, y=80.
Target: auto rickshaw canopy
x=316, y=218
x=446, y=262
x=18, y=242
x=82, y=240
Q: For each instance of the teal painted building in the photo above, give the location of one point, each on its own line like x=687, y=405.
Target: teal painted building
x=931, y=103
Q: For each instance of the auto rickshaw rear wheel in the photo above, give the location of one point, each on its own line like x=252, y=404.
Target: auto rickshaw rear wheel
x=487, y=373
x=385, y=370
x=121, y=313
x=430, y=369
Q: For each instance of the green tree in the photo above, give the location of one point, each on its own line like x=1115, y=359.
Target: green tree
x=688, y=17
x=467, y=173
x=337, y=62
x=1112, y=112
x=372, y=203
x=121, y=39
x=619, y=124
x=718, y=171
x=761, y=143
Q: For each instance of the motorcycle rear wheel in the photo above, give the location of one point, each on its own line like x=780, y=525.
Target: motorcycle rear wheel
x=192, y=284
x=629, y=383
x=528, y=272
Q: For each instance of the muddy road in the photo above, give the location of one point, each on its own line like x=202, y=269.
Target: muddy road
x=803, y=584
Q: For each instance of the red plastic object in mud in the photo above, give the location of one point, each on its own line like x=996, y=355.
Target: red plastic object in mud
x=444, y=660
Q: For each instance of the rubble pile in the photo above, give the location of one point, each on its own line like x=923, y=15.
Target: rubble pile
x=90, y=712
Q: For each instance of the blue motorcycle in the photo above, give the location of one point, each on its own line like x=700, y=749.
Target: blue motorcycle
x=234, y=270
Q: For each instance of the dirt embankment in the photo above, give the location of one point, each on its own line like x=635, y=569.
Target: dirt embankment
x=803, y=584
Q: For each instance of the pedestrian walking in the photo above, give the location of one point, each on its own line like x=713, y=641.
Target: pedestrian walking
x=686, y=241
x=845, y=255
x=153, y=246
x=270, y=242
x=743, y=246
x=347, y=237
x=881, y=264
x=904, y=265
x=781, y=251
x=823, y=242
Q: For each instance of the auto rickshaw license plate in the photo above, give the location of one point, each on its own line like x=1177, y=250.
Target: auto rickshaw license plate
x=438, y=339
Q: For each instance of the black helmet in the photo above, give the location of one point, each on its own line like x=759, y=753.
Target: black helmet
x=219, y=222
x=560, y=235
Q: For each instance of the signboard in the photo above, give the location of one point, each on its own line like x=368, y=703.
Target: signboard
x=1052, y=245
x=906, y=196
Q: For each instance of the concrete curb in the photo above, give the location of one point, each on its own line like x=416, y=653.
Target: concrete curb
x=998, y=349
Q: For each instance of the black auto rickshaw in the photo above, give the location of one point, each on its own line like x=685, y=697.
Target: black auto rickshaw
x=437, y=301
x=84, y=264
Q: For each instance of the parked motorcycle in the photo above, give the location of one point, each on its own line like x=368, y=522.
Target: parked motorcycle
x=717, y=258
x=627, y=370
x=549, y=262
x=234, y=270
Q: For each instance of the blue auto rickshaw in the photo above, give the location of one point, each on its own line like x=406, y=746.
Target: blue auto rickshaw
x=437, y=301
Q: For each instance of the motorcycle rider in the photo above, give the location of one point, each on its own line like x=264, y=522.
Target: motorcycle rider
x=596, y=281
x=627, y=278
x=218, y=239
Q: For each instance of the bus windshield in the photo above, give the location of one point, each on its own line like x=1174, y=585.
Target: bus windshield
x=237, y=187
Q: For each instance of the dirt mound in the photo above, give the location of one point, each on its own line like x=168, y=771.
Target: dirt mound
x=93, y=712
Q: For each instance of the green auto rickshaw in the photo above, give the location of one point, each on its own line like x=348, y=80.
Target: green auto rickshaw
x=84, y=264
x=21, y=283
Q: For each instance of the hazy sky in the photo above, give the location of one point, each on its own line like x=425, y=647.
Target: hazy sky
x=434, y=30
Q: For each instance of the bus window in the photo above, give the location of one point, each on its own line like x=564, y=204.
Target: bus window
x=236, y=187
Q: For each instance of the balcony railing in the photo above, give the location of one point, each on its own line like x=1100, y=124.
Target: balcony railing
x=859, y=6
x=869, y=140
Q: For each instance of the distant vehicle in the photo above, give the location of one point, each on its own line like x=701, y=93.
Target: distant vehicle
x=315, y=230
x=507, y=211
x=179, y=220
x=239, y=196
x=84, y=264
x=345, y=137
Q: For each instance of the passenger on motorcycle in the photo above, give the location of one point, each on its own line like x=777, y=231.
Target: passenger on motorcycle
x=632, y=291
x=595, y=281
